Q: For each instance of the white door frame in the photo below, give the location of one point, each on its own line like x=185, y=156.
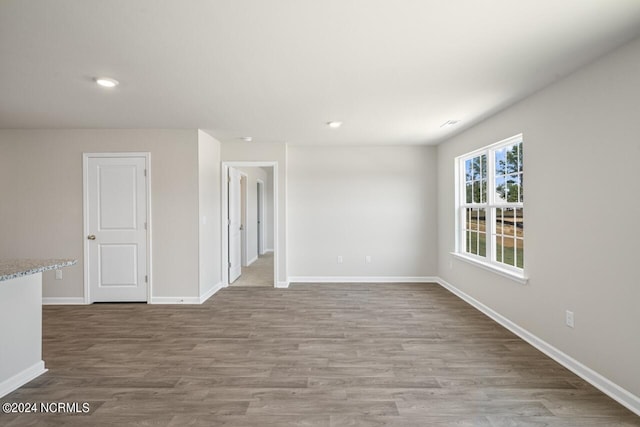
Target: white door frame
x=260, y=233
x=85, y=215
x=224, y=202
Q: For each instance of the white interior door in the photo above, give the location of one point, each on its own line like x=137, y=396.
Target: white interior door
x=244, y=227
x=235, y=225
x=259, y=203
x=116, y=228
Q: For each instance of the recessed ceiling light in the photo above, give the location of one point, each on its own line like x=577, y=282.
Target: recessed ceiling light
x=449, y=123
x=247, y=138
x=106, y=82
x=334, y=125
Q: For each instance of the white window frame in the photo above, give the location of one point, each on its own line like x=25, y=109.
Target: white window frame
x=487, y=262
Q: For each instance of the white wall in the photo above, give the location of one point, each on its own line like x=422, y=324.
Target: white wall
x=582, y=206
x=209, y=207
x=248, y=151
x=362, y=201
x=41, y=208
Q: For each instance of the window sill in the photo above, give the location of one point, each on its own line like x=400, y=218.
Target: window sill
x=490, y=267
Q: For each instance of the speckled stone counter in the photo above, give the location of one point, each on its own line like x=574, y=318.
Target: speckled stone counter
x=12, y=268
x=21, y=319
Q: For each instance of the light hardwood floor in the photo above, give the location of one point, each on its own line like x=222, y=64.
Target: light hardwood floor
x=322, y=355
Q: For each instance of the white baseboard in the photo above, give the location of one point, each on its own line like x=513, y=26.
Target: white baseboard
x=187, y=300
x=63, y=300
x=251, y=261
x=21, y=378
x=174, y=300
x=211, y=292
x=282, y=285
x=363, y=279
x=608, y=387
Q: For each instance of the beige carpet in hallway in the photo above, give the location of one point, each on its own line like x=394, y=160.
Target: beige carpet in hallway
x=260, y=273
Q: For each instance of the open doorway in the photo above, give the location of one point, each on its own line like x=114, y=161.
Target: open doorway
x=249, y=224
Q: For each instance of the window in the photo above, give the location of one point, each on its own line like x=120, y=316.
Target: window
x=491, y=206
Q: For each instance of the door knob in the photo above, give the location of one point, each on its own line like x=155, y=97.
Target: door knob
x=91, y=237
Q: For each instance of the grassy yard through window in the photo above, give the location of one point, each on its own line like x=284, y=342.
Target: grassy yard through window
x=509, y=241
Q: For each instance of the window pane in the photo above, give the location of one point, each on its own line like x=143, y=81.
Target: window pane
x=476, y=191
x=501, y=161
x=482, y=235
x=509, y=226
x=513, y=159
x=468, y=170
x=521, y=187
x=474, y=220
x=509, y=250
x=483, y=191
x=519, y=229
x=520, y=157
x=520, y=253
x=499, y=245
x=483, y=162
x=501, y=187
x=474, y=243
x=513, y=188
x=469, y=197
x=482, y=244
x=476, y=168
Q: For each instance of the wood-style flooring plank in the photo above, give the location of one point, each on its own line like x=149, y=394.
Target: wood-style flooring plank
x=325, y=355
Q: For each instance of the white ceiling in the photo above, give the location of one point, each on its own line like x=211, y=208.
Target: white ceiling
x=277, y=70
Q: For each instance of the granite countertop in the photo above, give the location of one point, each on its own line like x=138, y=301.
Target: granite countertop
x=12, y=268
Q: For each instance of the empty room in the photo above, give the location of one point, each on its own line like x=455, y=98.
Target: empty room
x=315, y=213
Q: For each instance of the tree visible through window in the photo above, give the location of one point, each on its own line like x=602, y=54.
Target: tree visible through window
x=491, y=205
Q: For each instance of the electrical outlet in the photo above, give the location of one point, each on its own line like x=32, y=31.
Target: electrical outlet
x=58, y=274
x=339, y=259
x=569, y=318
x=367, y=259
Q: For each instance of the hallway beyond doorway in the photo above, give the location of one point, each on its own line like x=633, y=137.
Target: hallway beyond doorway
x=260, y=273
